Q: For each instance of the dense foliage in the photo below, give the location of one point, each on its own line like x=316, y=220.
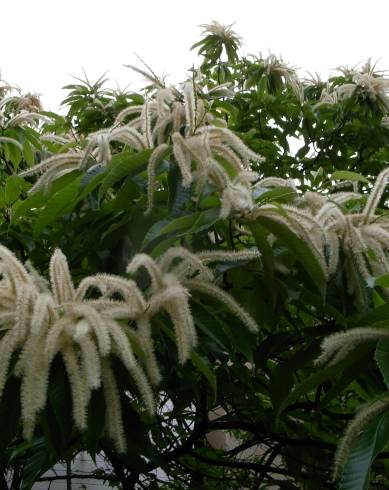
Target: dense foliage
x=194, y=279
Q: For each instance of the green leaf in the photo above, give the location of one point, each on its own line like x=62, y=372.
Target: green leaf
x=203, y=366
x=299, y=248
x=283, y=376
x=382, y=359
x=347, y=376
x=355, y=475
x=347, y=175
x=184, y=225
x=38, y=199
x=382, y=281
x=260, y=235
x=36, y=461
x=312, y=382
x=13, y=188
x=9, y=413
x=96, y=418
x=57, y=205
x=28, y=153
x=280, y=194
x=124, y=165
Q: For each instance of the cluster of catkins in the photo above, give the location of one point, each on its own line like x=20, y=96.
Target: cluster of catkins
x=89, y=324
x=356, y=240
x=176, y=123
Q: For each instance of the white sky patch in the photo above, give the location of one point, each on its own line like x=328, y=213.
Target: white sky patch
x=44, y=43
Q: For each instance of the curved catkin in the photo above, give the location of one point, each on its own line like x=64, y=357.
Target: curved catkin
x=183, y=159
x=137, y=109
x=154, y=160
x=42, y=312
x=90, y=361
x=143, y=386
x=146, y=340
x=60, y=278
x=191, y=261
x=15, y=270
x=375, y=195
x=144, y=260
x=70, y=158
x=226, y=299
x=364, y=416
x=336, y=347
x=208, y=256
x=34, y=384
x=8, y=344
x=113, y=417
x=77, y=386
x=145, y=122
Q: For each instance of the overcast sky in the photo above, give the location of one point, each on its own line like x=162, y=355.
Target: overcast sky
x=45, y=42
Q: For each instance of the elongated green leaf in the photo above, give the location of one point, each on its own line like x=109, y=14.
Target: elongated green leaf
x=184, y=225
x=123, y=165
x=347, y=376
x=36, y=461
x=382, y=281
x=382, y=359
x=283, y=376
x=299, y=248
x=355, y=474
x=39, y=198
x=57, y=205
x=283, y=194
x=28, y=153
x=311, y=383
x=13, y=187
x=379, y=315
x=347, y=175
x=260, y=235
x=204, y=368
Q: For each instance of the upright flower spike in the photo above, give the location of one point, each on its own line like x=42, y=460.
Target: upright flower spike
x=375, y=195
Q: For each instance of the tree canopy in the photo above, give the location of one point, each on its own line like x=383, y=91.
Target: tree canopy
x=193, y=260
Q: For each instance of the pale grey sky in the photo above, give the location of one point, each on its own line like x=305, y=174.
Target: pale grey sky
x=45, y=42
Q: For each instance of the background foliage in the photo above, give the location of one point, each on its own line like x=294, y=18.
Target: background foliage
x=284, y=414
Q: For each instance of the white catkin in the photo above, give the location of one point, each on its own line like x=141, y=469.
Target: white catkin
x=364, y=416
x=147, y=344
x=77, y=386
x=60, y=278
x=113, y=418
x=155, y=158
x=224, y=298
x=375, y=195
